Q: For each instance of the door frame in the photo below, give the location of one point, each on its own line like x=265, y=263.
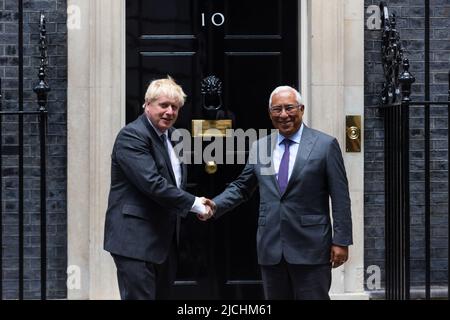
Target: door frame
x=96, y=112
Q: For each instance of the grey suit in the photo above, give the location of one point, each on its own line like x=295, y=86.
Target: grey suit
x=144, y=204
x=295, y=227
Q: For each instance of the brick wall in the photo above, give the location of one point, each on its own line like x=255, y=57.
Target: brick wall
x=410, y=23
x=55, y=11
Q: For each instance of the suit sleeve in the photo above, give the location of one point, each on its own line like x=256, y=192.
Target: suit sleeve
x=237, y=192
x=339, y=193
x=138, y=165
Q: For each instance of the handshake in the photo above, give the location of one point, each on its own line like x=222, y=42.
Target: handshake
x=210, y=209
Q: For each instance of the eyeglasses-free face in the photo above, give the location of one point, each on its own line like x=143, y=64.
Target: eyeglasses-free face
x=163, y=112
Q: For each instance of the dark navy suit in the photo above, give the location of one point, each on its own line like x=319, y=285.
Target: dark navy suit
x=144, y=207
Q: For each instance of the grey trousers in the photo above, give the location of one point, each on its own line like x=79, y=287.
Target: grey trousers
x=286, y=281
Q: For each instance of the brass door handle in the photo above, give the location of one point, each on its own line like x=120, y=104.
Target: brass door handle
x=211, y=167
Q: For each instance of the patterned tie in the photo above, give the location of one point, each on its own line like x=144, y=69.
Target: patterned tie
x=283, y=172
x=178, y=224
x=164, y=141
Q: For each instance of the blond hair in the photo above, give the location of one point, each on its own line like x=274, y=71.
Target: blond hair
x=165, y=87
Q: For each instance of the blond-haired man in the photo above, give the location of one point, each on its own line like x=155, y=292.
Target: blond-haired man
x=147, y=199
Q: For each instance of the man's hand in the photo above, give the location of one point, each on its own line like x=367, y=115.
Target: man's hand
x=209, y=203
x=210, y=209
x=338, y=255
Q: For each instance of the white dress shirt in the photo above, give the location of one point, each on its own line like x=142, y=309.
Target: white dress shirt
x=197, y=206
x=293, y=149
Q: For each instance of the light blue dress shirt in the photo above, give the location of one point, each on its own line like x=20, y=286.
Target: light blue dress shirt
x=293, y=149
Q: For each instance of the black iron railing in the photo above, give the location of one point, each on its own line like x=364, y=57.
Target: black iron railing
x=396, y=103
x=395, y=98
x=41, y=90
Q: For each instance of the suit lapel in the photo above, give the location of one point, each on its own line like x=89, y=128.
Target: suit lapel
x=304, y=150
x=158, y=144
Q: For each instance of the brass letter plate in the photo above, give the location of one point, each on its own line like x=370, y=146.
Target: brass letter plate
x=211, y=128
x=353, y=134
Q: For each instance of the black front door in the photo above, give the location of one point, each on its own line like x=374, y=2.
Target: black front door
x=252, y=47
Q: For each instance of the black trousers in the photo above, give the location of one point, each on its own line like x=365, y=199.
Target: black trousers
x=142, y=280
x=286, y=281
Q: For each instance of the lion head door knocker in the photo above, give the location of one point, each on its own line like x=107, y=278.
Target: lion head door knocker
x=212, y=103
x=211, y=89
